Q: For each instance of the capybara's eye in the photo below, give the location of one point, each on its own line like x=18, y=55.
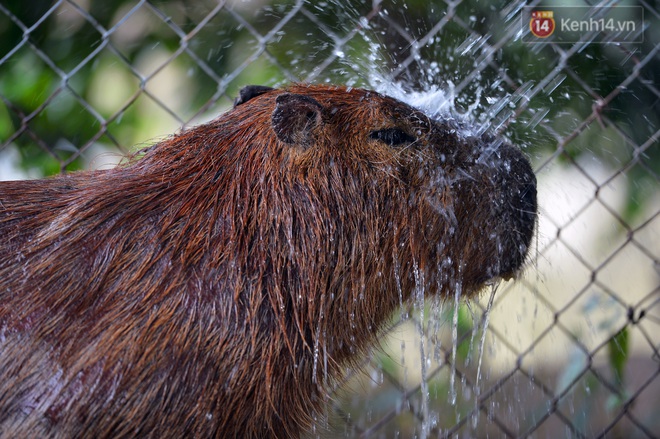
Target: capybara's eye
x=392, y=136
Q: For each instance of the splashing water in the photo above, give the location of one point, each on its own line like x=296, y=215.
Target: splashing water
x=454, y=344
x=482, y=342
x=397, y=278
x=419, y=302
x=486, y=108
x=485, y=321
x=440, y=103
x=435, y=102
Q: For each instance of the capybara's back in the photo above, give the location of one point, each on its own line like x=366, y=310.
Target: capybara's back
x=216, y=284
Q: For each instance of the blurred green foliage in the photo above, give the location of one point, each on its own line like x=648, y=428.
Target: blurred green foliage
x=618, y=355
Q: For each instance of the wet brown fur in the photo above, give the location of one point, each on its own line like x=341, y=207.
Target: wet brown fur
x=217, y=285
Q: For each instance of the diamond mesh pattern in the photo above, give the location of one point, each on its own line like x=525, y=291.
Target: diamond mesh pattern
x=587, y=114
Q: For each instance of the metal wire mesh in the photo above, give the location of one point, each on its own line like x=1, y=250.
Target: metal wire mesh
x=571, y=348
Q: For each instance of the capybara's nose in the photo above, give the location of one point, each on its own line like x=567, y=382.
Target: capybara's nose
x=522, y=221
x=526, y=205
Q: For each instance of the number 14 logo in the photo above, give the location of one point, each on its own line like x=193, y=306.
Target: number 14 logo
x=542, y=24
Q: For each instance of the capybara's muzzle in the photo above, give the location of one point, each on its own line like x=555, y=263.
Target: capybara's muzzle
x=514, y=209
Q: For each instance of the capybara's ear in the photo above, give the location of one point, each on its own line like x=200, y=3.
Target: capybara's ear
x=250, y=91
x=294, y=117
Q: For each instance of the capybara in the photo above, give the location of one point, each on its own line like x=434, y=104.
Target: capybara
x=217, y=284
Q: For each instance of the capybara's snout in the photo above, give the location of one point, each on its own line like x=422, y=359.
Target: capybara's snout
x=504, y=185
x=519, y=211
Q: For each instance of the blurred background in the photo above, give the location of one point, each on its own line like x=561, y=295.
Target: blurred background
x=571, y=348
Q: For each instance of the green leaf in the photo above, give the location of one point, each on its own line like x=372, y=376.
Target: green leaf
x=618, y=353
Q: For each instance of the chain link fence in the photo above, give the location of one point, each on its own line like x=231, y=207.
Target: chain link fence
x=571, y=348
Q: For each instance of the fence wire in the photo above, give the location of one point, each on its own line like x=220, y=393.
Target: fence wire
x=571, y=348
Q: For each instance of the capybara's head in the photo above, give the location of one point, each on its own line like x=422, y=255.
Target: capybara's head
x=218, y=282
x=380, y=184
